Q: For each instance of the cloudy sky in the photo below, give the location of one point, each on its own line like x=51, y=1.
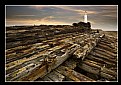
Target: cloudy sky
x=101, y=17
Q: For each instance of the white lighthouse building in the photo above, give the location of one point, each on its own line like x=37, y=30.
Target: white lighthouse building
x=85, y=17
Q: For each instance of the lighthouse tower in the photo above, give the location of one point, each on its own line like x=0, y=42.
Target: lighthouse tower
x=85, y=17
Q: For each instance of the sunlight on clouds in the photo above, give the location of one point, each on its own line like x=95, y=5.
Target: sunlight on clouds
x=83, y=11
x=46, y=20
x=109, y=15
x=75, y=10
x=24, y=15
x=37, y=7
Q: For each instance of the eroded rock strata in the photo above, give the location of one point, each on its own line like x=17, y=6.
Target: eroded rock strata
x=66, y=53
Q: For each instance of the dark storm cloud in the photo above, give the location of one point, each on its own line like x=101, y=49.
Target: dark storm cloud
x=104, y=17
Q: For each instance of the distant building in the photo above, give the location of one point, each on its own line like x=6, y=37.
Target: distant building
x=85, y=17
x=83, y=24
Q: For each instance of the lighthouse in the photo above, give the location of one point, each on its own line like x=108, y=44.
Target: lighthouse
x=85, y=17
